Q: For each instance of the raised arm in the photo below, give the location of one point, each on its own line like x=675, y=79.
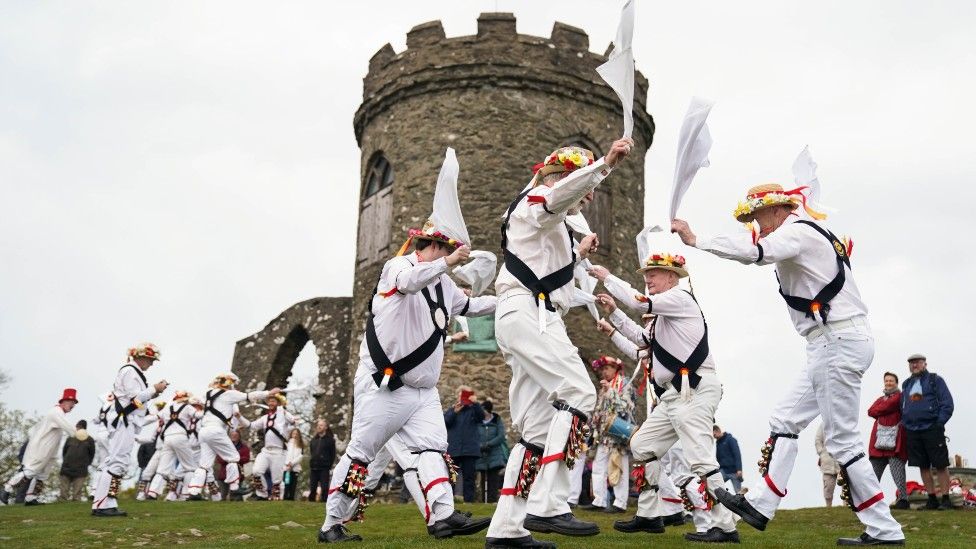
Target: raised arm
x=407, y=278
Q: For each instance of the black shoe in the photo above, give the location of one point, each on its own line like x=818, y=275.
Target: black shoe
x=4, y=495
x=338, y=533
x=677, y=519
x=257, y=498
x=640, y=524
x=865, y=539
x=738, y=505
x=932, y=503
x=108, y=512
x=458, y=525
x=565, y=524
x=902, y=504
x=591, y=507
x=946, y=503
x=613, y=510
x=573, y=505
x=194, y=497
x=527, y=541
x=713, y=535
x=33, y=502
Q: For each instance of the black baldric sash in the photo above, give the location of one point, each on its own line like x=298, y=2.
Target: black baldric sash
x=121, y=412
x=821, y=301
x=208, y=407
x=270, y=427
x=399, y=368
x=174, y=419
x=695, y=359
x=541, y=288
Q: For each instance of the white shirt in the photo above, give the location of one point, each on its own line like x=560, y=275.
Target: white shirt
x=186, y=416
x=540, y=239
x=225, y=405
x=805, y=262
x=678, y=329
x=281, y=420
x=45, y=439
x=128, y=386
x=402, y=320
x=293, y=457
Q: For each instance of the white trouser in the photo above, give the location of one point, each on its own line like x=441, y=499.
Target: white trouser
x=601, y=465
x=396, y=450
x=675, y=470
x=32, y=476
x=121, y=440
x=829, y=386
x=690, y=422
x=415, y=415
x=545, y=368
x=576, y=480
x=149, y=471
x=272, y=459
x=214, y=441
x=176, y=450
x=100, y=434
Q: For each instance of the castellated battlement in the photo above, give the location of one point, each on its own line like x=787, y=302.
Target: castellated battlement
x=497, y=56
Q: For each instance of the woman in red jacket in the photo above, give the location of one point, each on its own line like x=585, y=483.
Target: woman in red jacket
x=887, y=447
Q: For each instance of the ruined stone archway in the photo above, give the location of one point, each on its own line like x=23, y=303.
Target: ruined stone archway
x=265, y=359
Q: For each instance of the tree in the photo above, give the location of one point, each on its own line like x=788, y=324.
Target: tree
x=14, y=427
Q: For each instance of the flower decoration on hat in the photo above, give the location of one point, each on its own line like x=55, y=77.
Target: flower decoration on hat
x=226, y=380
x=181, y=396
x=146, y=350
x=446, y=223
x=605, y=360
x=659, y=260
x=565, y=159
x=281, y=398
x=765, y=196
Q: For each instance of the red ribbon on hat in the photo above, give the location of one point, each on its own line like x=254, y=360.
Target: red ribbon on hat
x=792, y=192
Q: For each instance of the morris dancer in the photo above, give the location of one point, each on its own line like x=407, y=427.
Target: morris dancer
x=813, y=268
x=99, y=431
x=274, y=424
x=551, y=394
x=131, y=392
x=42, y=450
x=688, y=389
x=150, y=433
x=176, y=450
x=218, y=409
x=399, y=365
x=616, y=399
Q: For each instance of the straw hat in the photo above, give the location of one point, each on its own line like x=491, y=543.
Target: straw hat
x=668, y=262
x=446, y=223
x=181, y=396
x=281, y=398
x=146, y=350
x=226, y=380
x=769, y=195
x=564, y=159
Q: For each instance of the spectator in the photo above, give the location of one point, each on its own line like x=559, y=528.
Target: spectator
x=887, y=447
x=494, y=453
x=145, y=453
x=77, y=454
x=728, y=456
x=926, y=406
x=293, y=463
x=463, y=438
x=322, y=453
x=220, y=468
x=828, y=466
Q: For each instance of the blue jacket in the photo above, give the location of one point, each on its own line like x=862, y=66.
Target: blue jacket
x=463, y=430
x=727, y=454
x=493, y=454
x=930, y=405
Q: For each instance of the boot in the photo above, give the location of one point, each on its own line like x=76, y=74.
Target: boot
x=565, y=524
x=640, y=524
x=865, y=539
x=458, y=525
x=338, y=533
x=740, y=506
x=677, y=519
x=108, y=512
x=946, y=504
x=932, y=503
x=713, y=535
x=902, y=504
x=528, y=542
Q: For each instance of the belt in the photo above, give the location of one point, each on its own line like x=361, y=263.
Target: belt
x=858, y=321
x=516, y=292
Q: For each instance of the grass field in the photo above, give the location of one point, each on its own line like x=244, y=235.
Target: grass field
x=158, y=524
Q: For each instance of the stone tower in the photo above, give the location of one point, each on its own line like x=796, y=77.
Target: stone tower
x=503, y=101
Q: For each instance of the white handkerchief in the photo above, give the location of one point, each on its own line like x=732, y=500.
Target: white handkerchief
x=618, y=71
x=478, y=272
x=694, y=143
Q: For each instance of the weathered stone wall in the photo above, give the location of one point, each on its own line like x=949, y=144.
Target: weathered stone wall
x=265, y=359
x=503, y=101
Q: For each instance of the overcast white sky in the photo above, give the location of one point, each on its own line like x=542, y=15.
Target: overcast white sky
x=183, y=171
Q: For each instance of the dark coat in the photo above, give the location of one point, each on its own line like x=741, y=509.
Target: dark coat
x=145, y=453
x=728, y=455
x=322, y=451
x=76, y=456
x=887, y=411
x=463, y=434
x=932, y=408
x=492, y=444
